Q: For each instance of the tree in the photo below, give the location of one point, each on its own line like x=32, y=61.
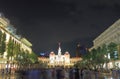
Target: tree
x=87, y=60
x=10, y=47
x=2, y=43
x=97, y=58
x=112, y=47
x=17, y=51
x=105, y=54
x=94, y=58
x=33, y=57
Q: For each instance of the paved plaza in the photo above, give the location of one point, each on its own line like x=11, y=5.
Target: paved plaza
x=47, y=74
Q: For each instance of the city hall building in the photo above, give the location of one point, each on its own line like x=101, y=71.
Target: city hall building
x=59, y=59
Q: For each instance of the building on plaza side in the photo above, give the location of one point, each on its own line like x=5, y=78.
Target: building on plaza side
x=10, y=33
x=112, y=34
x=59, y=59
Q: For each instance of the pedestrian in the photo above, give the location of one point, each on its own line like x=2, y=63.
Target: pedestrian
x=58, y=73
x=49, y=73
x=81, y=74
x=96, y=74
x=71, y=73
x=66, y=74
x=62, y=74
x=2, y=71
x=43, y=73
x=76, y=73
x=53, y=73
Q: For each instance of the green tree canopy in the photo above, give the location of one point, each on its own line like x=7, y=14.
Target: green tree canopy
x=112, y=47
x=2, y=43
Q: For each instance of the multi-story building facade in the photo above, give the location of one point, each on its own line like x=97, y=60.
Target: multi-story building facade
x=10, y=33
x=112, y=34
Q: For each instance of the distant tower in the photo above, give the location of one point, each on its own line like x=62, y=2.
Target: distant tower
x=59, y=50
x=78, y=50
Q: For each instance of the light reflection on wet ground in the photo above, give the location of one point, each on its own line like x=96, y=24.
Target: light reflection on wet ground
x=36, y=74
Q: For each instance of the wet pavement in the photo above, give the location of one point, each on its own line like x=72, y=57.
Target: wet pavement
x=38, y=74
x=5, y=76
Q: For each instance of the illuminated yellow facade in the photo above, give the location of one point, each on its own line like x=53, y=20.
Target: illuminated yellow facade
x=59, y=59
x=10, y=32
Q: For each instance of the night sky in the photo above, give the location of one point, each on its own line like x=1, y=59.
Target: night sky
x=46, y=22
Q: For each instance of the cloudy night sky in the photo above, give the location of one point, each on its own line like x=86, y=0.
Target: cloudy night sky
x=46, y=22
